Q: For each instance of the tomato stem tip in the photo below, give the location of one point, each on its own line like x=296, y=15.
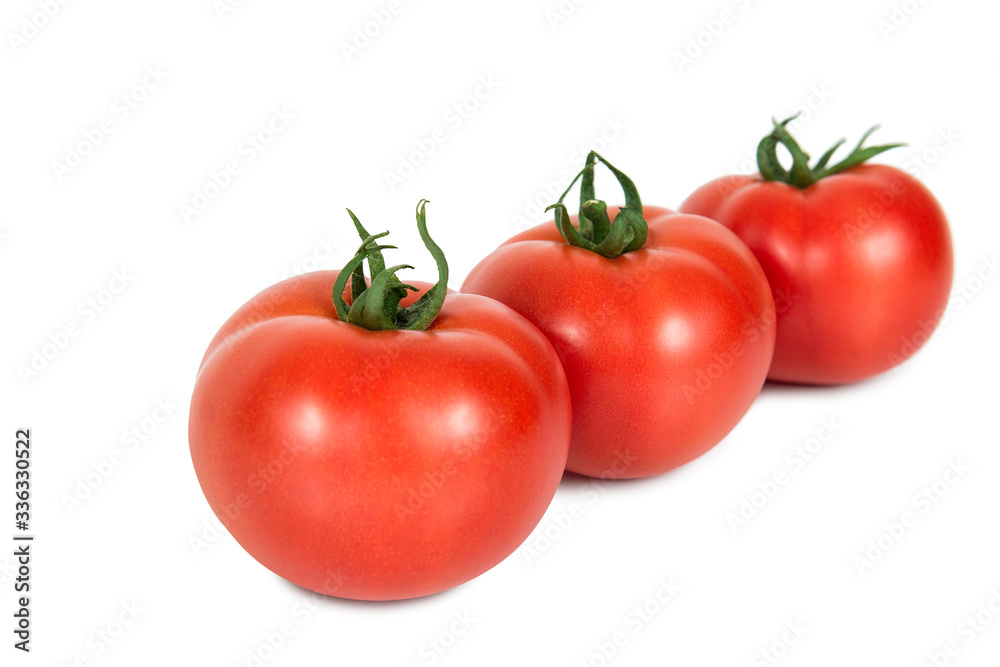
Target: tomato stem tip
x=597, y=232
x=375, y=305
x=801, y=175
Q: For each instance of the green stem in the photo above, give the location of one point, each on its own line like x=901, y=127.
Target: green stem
x=376, y=306
x=597, y=232
x=801, y=175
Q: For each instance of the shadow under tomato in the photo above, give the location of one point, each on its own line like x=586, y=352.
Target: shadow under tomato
x=572, y=480
x=333, y=599
x=779, y=388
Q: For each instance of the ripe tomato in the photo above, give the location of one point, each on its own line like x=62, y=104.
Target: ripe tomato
x=665, y=341
x=378, y=464
x=859, y=257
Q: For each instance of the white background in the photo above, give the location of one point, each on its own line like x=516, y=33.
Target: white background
x=560, y=82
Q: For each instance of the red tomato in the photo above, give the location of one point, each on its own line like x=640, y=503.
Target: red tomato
x=665, y=346
x=378, y=465
x=860, y=262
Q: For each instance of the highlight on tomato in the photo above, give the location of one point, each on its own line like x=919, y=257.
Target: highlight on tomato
x=860, y=253
x=374, y=439
x=664, y=324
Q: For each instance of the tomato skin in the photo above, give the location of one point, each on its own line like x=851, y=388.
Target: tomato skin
x=664, y=347
x=860, y=263
x=378, y=465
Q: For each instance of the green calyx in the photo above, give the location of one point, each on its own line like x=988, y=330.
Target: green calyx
x=376, y=306
x=801, y=175
x=597, y=232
